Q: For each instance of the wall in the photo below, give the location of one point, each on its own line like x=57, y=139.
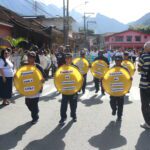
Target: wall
x=133, y=34
x=4, y=31
x=110, y=41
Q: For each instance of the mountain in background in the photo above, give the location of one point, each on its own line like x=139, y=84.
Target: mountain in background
x=28, y=7
x=54, y=10
x=103, y=24
x=145, y=20
x=76, y=15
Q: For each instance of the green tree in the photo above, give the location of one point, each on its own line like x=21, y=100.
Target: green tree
x=15, y=42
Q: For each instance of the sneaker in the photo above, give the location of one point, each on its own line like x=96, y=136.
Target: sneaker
x=113, y=112
x=145, y=126
x=34, y=122
x=74, y=119
x=62, y=120
x=96, y=91
x=103, y=93
x=83, y=92
x=119, y=119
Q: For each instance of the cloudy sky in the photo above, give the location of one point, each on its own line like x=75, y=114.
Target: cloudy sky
x=123, y=10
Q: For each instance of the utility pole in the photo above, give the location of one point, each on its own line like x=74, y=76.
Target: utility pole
x=67, y=38
x=85, y=30
x=35, y=7
x=66, y=21
x=94, y=22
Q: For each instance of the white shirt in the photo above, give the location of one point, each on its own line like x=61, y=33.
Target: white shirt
x=8, y=70
x=94, y=53
x=16, y=59
x=119, y=54
x=54, y=59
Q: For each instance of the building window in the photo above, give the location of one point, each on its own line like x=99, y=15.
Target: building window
x=119, y=38
x=129, y=38
x=137, y=38
x=107, y=39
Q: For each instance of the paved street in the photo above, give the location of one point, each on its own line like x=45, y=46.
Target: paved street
x=95, y=129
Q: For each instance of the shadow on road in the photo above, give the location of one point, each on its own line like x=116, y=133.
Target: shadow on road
x=50, y=96
x=90, y=82
x=110, y=138
x=10, y=140
x=91, y=88
x=2, y=106
x=143, y=141
x=53, y=141
x=94, y=100
x=126, y=100
x=15, y=97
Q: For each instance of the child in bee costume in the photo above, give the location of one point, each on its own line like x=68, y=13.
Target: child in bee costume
x=32, y=101
x=98, y=81
x=82, y=55
x=117, y=102
x=71, y=99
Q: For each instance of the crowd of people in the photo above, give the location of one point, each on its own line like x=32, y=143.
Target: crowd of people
x=46, y=60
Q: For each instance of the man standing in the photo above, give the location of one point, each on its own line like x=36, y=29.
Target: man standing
x=82, y=55
x=144, y=68
x=60, y=56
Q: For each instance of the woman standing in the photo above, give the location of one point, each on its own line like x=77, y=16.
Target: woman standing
x=6, y=77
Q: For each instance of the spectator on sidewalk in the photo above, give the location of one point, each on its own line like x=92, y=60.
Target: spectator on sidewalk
x=54, y=62
x=6, y=77
x=144, y=68
x=60, y=56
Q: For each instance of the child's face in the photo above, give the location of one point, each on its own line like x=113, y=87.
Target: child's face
x=68, y=60
x=118, y=62
x=126, y=57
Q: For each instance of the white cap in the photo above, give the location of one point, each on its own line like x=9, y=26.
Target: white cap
x=147, y=46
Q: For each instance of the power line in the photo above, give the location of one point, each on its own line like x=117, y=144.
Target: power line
x=32, y=4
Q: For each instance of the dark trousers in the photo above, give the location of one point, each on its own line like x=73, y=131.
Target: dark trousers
x=53, y=69
x=84, y=83
x=133, y=59
x=145, y=104
x=46, y=73
x=72, y=100
x=6, y=88
x=32, y=104
x=97, y=82
x=116, y=104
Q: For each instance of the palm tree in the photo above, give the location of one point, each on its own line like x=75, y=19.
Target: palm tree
x=15, y=42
